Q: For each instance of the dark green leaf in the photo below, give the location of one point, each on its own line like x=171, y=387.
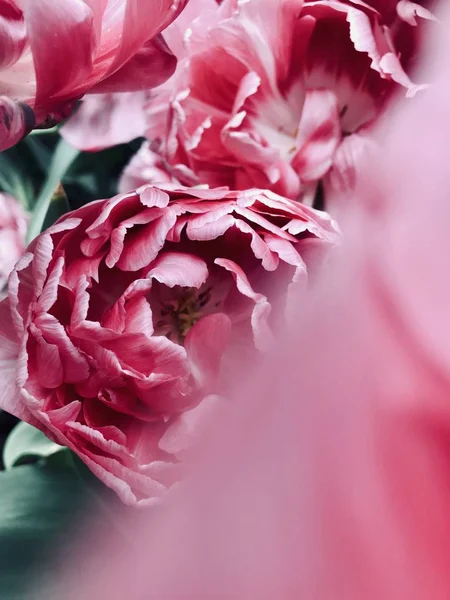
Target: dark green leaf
x=43, y=507
x=62, y=159
x=39, y=504
x=13, y=178
x=26, y=443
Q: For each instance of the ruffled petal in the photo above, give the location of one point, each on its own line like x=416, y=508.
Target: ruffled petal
x=259, y=320
x=409, y=11
x=179, y=268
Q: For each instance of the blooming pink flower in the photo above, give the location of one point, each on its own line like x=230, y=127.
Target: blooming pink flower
x=13, y=226
x=55, y=52
x=266, y=91
x=137, y=303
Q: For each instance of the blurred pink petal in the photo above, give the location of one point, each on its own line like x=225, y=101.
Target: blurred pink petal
x=344, y=174
x=104, y=120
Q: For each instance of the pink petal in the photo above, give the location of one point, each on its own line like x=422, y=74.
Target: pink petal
x=361, y=34
x=131, y=313
x=16, y=121
x=408, y=11
x=100, y=230
x=318, y=136
x=10, y=398
x=145, y=244
x=106, y=120
x=75, y=365
x=82, y=268
x=126, y=401
x=175, y=34
x=260, y=249
x=247, y=87
x=97, y=439
x=179, y=268
x=297, y=286
x=59, y=417
x=391, y=65
x=46, y=355
x=153, y=197
x=342, y=178
x=187, y=430
x=43, y=253
x=62, y=40
x=149, y=356
x=149, y=67
x=205, y=344
x=97, y=8
x=271, y=25
x=50, y=292
x=170, y=396
x=133, y=225
x=14, y=289
x=138, y=316
x=139, y=23
x=247, y=147
x=133, y=488
x=261, y=331
x=286, y=250
x=145, y=167
x=114, y=319
x=210, y=224
x=12, y=38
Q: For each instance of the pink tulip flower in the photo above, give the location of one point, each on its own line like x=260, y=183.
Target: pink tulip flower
x=122, y=320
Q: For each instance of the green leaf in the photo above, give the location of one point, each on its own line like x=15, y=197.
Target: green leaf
x=25, y=444
x=59, y=205
x=43, y=508
x=39, y=506
x=13, y=179
x=62, y=159
x=39, y=152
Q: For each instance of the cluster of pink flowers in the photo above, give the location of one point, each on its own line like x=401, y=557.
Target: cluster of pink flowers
x=270, y=94
x=139, y=302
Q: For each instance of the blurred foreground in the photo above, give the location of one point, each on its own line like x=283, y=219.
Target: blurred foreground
x=330, y=481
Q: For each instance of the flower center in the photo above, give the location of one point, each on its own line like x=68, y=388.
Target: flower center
x=178, y=314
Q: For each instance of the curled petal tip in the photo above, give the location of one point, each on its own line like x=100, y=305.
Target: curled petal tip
x=28, y=116
x=16, y=121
